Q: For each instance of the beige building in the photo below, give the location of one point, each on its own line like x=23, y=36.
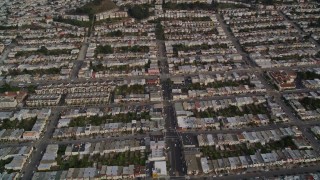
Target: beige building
x=74, y=88
x=43, y=100
x=11, y=99
x=1, y=47
x=88, y=98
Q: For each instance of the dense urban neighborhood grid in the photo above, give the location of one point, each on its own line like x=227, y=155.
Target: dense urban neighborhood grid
x=159, y=89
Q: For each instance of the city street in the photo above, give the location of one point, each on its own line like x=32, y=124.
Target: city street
x=174, y=144
x=215, y=51
x=40, y=146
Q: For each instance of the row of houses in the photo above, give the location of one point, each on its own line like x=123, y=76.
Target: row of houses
x=53, y=46
x=277, y=47
x=38, y=127
x=39, y=42
x=122, y=25
x=1, y=48
x=315, y=130
x=44, y=66
x=19, y=156
x=24, y=114
x=186, y=111
x=119, y=55
x=136, y=63
x=267, y=48
x=217, y=58
x=13, y=175
x=58, y=29
x=34, y=59
x=188, y=1
x=155, y=111
x=302, y=112
x=80, y=112
x=197, y=165
x=76, y=17
x=262, y=137
x=311, y=84
x=275, y=18
x=297, y=176
x=192, y=28
x=138, y=71
x=175, y=14
x=11, y=134
x=223, y=91
x=266, y=62
x=299, y=96
x=40, y=30
x=294, y=100
x=31, y=12
x=132, y=97
x=12, y=99
x=276, y=111
x=110, y=128
x=105, y=172
x=48, y=160
x=303, y=16
x=184, y=108
x=222, y=58
x=222, y=122
x=82, y=93
x=111, y=15
x=87, y=98
x=105, y=147
x=66, y=88
x=129, y=42
x=275, y=158
x=188, y=69
x=43, y=100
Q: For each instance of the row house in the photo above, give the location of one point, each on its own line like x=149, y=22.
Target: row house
x=188, y=1
x=12, y=99
x=105, y=172
x=109, y=128
x=312, y=84
x=238, y=121
x=11, y=134
x=279, y=157
x=262, y=137
x=183, y=13
x=77, y=17
x=132, y=97
x=50, y=41
x=223, y=103
x=111, y=15
x=106, y=147
x=43, y=100
x=74, y=88
x=224, y=91
x=87, y=98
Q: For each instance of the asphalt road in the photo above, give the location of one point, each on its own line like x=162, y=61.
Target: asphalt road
x=270, y=90
x=81, y=57
x=173, y=137
x=235, y=42
x=174, y=144
x=298, y=28
x=40, y=146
